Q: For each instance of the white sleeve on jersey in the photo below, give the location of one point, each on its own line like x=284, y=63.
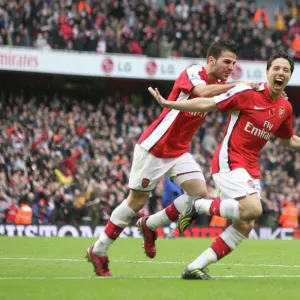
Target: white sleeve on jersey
x=235, y=90
x=193, y=75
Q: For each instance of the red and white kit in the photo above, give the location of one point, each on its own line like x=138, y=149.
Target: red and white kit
x=163, y=148
x=254, y=118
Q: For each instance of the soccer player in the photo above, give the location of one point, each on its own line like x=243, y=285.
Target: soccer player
x=163, y=149
x=255, y=115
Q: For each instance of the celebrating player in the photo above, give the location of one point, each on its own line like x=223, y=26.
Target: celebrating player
x=255, y=116
x=163, y=149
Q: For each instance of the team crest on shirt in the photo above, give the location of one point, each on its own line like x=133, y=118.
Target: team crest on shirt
x=145, y=182
x=251, y=183
x=281, y=111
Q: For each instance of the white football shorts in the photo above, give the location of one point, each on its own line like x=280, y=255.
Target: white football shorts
x=147, y=169
x=236, y=184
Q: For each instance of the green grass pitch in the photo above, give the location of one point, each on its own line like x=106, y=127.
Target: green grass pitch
x=54, y=268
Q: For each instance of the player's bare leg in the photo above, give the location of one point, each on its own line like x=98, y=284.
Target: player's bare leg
x=120, y=218
x=148, y=225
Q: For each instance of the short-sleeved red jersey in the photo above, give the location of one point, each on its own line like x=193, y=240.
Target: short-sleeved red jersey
x=254, y=118
x=171, y=133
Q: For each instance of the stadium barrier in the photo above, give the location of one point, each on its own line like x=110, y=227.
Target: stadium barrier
x=89, y=232
x=118, y=66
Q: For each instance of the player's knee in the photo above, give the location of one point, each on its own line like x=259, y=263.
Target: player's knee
x=137, y=200
x=250, y=213
x=201, y=193
x=244, y=227
x=195, y=188
x=250, y=208
x=136, y=204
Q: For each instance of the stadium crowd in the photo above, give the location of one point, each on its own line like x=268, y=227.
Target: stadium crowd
x=160, y=28
x=69, y=160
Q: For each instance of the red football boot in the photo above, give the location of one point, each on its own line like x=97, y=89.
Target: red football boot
x=149, y=236
x=100, y=263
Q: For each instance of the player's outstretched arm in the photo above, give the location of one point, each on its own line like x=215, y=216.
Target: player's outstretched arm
x=292, y=143
x=192, y=105
x=210, y=90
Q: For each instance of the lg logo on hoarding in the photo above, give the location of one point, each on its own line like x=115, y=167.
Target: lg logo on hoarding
x=151, y=67
x=255, y=74
x=247, y=73
x=124, y=67
x=237, y=72
x=107, y=65
x=168, y=69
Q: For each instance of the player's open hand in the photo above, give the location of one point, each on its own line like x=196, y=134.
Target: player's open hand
x=158, y=97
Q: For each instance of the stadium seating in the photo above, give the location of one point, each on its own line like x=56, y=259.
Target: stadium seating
x=160, y=29
x=70, y=160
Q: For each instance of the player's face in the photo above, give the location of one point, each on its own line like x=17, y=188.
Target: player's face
x=278, y=75
x=223, y=66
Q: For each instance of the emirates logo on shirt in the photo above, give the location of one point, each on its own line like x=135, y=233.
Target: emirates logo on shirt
x=200, y=114
x=145, y=182
x=281, y=111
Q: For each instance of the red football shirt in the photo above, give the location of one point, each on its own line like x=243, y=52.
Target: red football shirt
x=254, y=118
x=171, y=133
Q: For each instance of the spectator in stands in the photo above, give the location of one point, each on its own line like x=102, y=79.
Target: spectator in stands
x=289, y=216
x=279, y=26
x=98, y=25
x=39, y=136
x=261, y=18
x=24, y=215
x=41, y=212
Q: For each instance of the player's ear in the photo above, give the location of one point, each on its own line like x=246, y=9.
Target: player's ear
x=211, y=60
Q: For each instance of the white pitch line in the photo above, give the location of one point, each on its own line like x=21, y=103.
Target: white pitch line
x=145, y=277
x=41, y=259
x=150, y=262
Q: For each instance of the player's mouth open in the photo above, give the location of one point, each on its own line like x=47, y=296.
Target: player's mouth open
x=278, y=82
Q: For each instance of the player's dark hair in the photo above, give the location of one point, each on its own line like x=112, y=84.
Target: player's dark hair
x=216, y=48
x=281, y=55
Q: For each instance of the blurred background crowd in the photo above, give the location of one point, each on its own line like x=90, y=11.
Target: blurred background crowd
x=64, y=160
x=157, y=28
